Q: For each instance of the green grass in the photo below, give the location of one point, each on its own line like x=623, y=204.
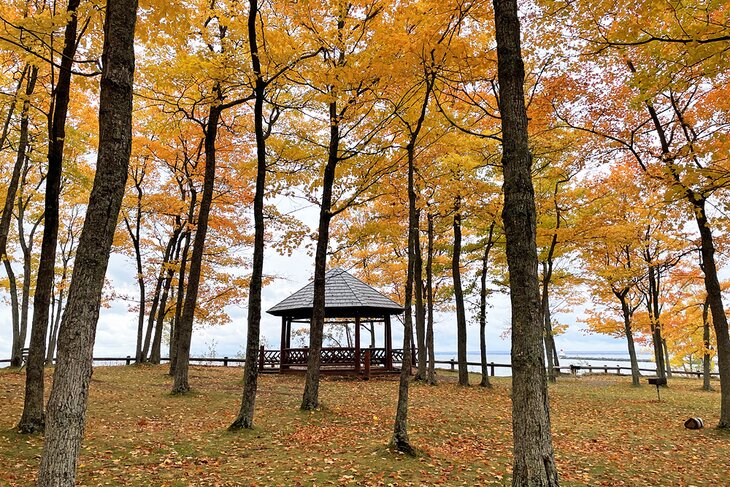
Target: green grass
x=605, y=432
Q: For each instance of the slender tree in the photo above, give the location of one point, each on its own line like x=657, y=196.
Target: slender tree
x=33, y=418
x=69, y=395
x=534, y=463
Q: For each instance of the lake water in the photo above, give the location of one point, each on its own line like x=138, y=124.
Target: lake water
x=582, y=358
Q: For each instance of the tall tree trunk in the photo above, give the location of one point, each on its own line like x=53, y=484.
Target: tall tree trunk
x=666, y=357
x=55, y=323
x=719, y=319
x=33, y=418
x=134, y=235
x=548, y=332
x=67, y=403
x=706, y=359
x=420, y=305
x=483, y=307
x=151, y=347
x=459, y=297
x=184, y=327
x=627, y=312
x=250, y=374
x=19, y=329
x=175, y=329
x=310, y=398
x=652, y=304
x=534, y=463
x=429, y=305
x=400, y=441
x=15, y=355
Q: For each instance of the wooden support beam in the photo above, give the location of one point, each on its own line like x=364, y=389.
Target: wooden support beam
x=357, y=344
x=388, y=344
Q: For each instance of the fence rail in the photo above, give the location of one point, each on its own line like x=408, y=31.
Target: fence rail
x=570, y=369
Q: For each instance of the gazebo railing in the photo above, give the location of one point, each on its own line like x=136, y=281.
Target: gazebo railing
x=330, y=356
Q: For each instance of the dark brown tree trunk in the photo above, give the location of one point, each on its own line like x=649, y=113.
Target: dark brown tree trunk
x=15, y=355
x=667, y=363
x=652, y=304
x=719, y=319
x=184, y=327
x=310, y=398
x=627, y=312
x=483, y=307
x=67, y=403
x=548, y=333
x=706, y=359
x=250, y=374
x=156, y=350
x=420, y=306
x=400, y=441
x=534, y=463
x=459, y=297
x=33, y=418
x=175, y=329
x=134, y=235
x=429, y=305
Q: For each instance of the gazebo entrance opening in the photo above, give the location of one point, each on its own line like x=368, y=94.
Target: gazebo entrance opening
x=348, y=301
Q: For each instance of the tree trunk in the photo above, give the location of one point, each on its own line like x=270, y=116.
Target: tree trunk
x=400, y=441
x=175, y=329
x=548, y=332
x=250, y=374
x=706, y=359
x=67, y=403
x=459, y=297
x=483, y=308
x=429, y=305
x=534, y=463
x=628, y=332
x=33, y=418
x=420, y=306
x=310, y=398
x=15, y=355
x=158, y=309
x=184, y=327
x=134, y=235
x=719, y=320
x=666, y=357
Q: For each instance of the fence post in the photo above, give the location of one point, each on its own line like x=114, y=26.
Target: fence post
x=367, y=363
x=590, y=369
x=129, y=360
x=225, y=361
x=618, y=370
x=452, y=364
x=261, y=358
x=491, y=368
x=605, y=369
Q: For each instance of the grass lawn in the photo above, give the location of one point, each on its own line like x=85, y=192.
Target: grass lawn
x=605, y=433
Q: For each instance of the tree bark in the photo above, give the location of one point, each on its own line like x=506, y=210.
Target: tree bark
x=33, y=418
x=420, y=307
x=534, y=463
x=459, y=297
x=67, y=403
x=548, y=333
x=652, y=304
x=175, y=330
x=310, y=398
x=706, y=359
x=429, y=305
x=627, y=313
x=134, y=235
x=250, y=374
x=15, y=355
x=184, y=327
x=400, y=440
x=483, y=307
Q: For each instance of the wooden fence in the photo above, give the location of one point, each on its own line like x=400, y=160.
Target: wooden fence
x=453, y=364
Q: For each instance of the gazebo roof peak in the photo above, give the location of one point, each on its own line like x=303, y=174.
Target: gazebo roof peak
x=345, y=297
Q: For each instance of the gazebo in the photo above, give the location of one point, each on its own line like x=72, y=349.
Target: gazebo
x=348, y=300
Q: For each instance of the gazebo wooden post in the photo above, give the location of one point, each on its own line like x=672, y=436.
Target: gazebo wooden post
x=357, y=344
x=288, y=332
x=282, y=344
x=388, y=344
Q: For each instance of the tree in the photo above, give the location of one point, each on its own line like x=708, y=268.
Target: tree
x=33, y=418
x=534, y=464
x=67, y=403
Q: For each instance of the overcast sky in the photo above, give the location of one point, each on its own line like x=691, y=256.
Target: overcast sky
x=117, y=327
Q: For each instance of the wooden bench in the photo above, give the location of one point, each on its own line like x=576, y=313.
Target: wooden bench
x=24, y=357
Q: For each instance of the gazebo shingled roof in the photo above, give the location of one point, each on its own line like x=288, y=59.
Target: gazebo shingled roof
x=345, y=297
